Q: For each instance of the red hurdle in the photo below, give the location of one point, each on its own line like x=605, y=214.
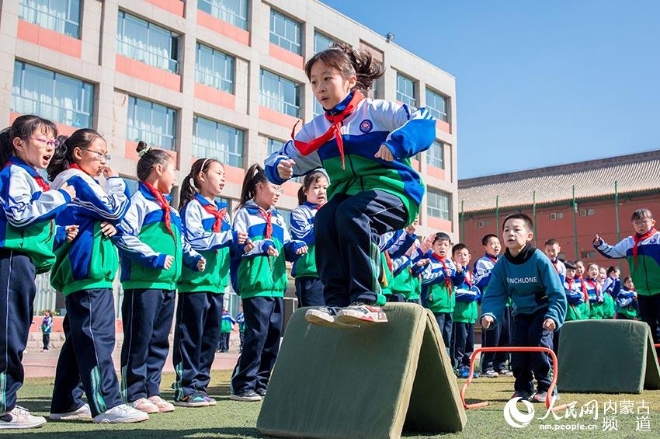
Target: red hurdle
x=548, y=401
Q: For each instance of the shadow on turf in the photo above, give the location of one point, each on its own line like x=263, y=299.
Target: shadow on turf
x=100, y=433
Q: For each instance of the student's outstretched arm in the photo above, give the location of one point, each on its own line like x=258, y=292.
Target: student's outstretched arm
x=131, y=246
x=614, y=252
x=23, y=207
x=302, y=164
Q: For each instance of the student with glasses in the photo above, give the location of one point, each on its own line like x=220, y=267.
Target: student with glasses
x=27, y=232
x=642, y=251
x=84, y=272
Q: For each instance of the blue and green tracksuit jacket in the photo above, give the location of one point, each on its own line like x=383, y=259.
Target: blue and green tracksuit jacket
x=90, y=260
x=144, y=242
x=213, y=246
x=405, y=130
x=28, y=212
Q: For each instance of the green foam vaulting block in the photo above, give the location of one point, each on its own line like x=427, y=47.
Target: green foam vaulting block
x=607, y=356
x=373, y=381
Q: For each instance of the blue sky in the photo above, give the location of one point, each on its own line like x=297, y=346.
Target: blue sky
x=539, y=82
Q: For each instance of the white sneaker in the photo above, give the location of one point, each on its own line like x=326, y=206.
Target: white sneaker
x=20, y=418
x=122, y=414
x=163, y=406
x=144, y=405
x=81, y=413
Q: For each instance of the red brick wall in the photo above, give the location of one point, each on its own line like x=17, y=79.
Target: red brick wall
x=603, y=222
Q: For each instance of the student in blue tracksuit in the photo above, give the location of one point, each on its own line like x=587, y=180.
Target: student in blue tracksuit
x=258, y=274
x=152, y=251
x=492, y=364
x=84, y=272
x=439, y=277
x=526, y=276
x=207, y=229
x=27, y=231
x=312, y=195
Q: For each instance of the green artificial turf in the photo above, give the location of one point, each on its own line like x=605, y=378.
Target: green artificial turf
x=231, y=419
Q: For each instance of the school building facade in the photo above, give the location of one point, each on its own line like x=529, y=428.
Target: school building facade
x=570, y=202
x=205, y=78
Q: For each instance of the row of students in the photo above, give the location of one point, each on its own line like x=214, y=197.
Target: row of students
x=155, y=257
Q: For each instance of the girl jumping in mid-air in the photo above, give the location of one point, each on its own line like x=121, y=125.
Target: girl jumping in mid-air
x=365, y=146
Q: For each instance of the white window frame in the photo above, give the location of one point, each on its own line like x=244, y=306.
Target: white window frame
x=234, y=12
x=46, y=100
x=435, y=158
x=285, y=32
x=276, y=99
x=162, y=135
x=227, y=147
x=50, y=15
x=438, y=204
x=142, y=50
x=222, y=71
x=438, y=105
x=405, y=89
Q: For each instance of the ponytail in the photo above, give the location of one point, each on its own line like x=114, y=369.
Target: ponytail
x=254, y=175
x=190, y=185
x=149, y=157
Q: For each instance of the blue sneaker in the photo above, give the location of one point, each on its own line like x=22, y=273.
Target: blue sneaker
x=193, y=400
x=465, y=372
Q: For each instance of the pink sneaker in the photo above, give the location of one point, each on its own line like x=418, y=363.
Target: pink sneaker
x=144, y=405
x=163, y=406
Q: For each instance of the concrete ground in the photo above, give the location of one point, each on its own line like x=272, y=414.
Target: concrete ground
x=38, y=363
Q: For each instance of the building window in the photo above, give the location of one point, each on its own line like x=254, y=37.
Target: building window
x=234, y=12
x=213, y=139
x=152, y=123
x=148, y=43
x=589, y=254
x=435, y=155
x=554, y=216
x=587, y=212
x=214, y=68
x=437, y=105
x=274, y=145
x=482, y=224
x=51, y=95
x=322, y=42
x=61, y=16
x=405, y=89
x=285, y=32
x=438, y=204
x=280, y=94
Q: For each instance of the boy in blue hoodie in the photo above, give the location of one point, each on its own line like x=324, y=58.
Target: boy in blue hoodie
x=528, y=277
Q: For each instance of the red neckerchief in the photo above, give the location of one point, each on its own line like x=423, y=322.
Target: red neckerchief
x=332, y=133
x=492, y=258
x=34, y=174
x=269, y=224
x=594, y=284
x=639, y=238
x=164, y=205
x=583, y=287
x=443, y=260
x=468, y=278
x=219, y=215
